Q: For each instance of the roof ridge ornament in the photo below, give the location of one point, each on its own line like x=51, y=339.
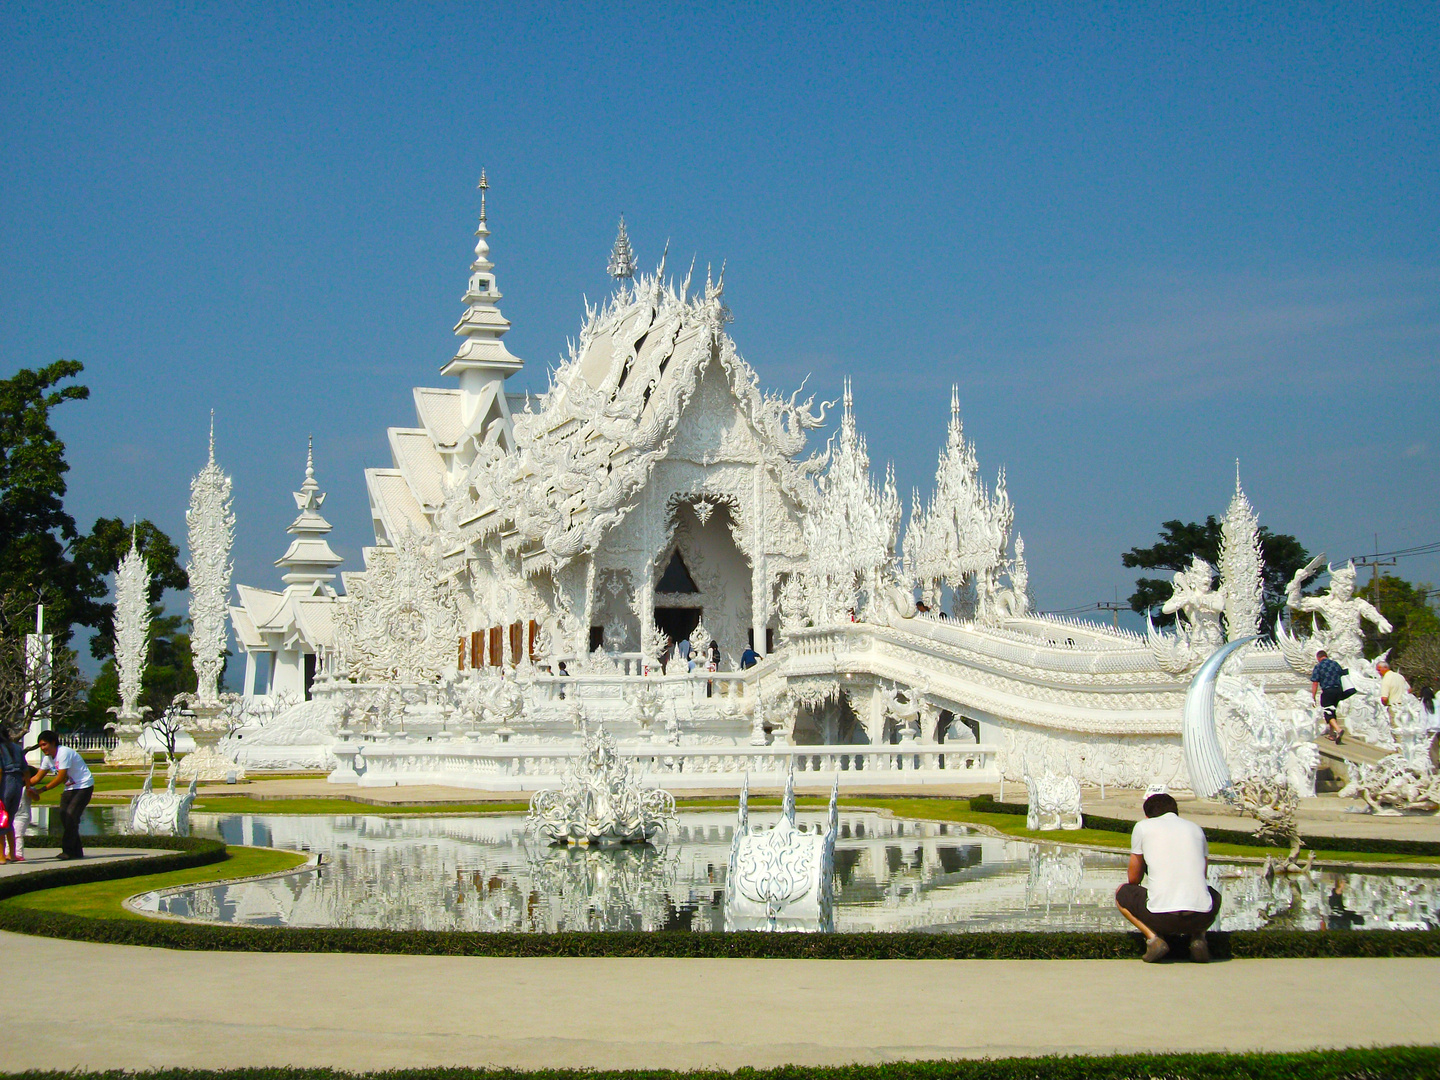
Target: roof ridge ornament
x=622, y=263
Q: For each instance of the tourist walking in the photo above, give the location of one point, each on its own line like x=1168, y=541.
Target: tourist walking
x=69, y=768
x=1174, y=853
x=12, y=788
x=1325, y=680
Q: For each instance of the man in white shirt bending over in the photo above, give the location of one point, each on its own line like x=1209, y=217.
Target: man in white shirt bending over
x=69, y=769
x=1173, y=852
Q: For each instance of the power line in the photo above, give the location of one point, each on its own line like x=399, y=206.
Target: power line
x=1402, y=553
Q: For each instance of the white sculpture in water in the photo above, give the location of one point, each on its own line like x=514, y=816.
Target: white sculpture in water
x=600, y=802
x=1242, y=566
x=212, y=533
x=782, y=878
x=1054, y=802
x=161, y=813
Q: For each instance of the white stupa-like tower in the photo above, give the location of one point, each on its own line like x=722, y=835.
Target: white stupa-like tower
x=482, y=362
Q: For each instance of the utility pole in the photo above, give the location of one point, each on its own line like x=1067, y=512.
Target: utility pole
x=1115, y=607
x=1375, y=562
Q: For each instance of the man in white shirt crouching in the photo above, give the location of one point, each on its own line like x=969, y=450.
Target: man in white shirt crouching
x=1173, y=852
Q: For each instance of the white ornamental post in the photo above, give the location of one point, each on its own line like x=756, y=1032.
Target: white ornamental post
x=212, y=532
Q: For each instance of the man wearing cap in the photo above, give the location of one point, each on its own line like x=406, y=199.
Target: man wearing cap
x=1174, y=853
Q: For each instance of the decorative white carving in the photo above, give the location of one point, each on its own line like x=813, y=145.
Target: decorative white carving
x=1054, y=803
x=132, y=633
x=1264, y=740
x=1197, y=608
x=782, y=878
x=401, y=619
x=1340, y=611
x=850, y=532
x=601, y=801
x=960, y=538
x=1393, y=787
x=209, y=764
x=1242, y=567
x=212, y=533
x=161, y=813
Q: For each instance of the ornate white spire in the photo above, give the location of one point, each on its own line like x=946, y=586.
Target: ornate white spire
x=132, y=629
x=212, y=533
x=622, y=259
x=309, y=559
x=482, y=362
x=1242, y=567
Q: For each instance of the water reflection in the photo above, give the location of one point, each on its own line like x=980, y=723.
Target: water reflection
x=485, y=873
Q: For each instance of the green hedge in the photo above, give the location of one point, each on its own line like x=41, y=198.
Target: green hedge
x=1388, y=1063
x=684, y=944
x=987, y=804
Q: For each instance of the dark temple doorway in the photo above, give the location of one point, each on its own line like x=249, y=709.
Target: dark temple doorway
x=677, y=622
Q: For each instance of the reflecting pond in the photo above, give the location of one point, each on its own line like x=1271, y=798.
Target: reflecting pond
x=486, y=873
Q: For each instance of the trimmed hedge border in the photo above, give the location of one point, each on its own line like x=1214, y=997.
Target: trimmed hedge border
x=987, y=804
x=1386, y=1063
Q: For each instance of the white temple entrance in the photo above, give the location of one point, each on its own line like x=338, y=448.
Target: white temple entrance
x=702, y=576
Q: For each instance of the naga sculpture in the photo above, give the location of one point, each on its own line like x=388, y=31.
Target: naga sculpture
x=161, y=813
x=782, y=878
x=1393, y=787
x=1054, y=803
x=600, y=802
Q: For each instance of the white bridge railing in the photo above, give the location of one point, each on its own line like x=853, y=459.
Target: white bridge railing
x=459, y=762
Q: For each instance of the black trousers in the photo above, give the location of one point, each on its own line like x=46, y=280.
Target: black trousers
x=72, y=808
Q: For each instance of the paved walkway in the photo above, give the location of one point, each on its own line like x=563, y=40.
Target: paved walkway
x=227, y=1010
x=43, y=858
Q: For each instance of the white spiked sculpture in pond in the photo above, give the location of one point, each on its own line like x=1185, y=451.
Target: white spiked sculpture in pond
x=132, y=631
x=782, y=878
x=1200, y=745
x=212, y=532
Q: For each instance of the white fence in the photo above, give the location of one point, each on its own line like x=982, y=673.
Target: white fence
x=505, y=767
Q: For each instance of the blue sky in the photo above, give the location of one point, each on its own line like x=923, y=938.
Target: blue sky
x=1144, y=241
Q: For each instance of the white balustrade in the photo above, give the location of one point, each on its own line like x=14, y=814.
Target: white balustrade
x=462, y=762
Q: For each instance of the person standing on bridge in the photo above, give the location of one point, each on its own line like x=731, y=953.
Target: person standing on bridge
x=1325, y=681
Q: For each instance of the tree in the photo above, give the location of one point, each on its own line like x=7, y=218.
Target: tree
x=30, y=688
x=1419, y=662
x=35, y=531
x=1408, y=610
x=1181, y=541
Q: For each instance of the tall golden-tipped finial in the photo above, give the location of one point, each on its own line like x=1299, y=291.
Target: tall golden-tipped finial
x=484, y=186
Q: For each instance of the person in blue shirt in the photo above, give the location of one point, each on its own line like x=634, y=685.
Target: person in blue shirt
x=749, y=658
x=1325, y=682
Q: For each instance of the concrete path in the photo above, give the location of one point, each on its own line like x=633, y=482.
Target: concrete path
x=129, y=1008
x=44, y=858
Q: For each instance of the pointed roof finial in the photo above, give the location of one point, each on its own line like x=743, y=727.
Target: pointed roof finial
x=849, y=397
x=622, y=257
x=310, y=457
x=1237, y=476
x=484, y=186
x=212, y=436
x=954, y=401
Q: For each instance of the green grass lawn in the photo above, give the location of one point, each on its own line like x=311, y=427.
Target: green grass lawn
x=105, y=899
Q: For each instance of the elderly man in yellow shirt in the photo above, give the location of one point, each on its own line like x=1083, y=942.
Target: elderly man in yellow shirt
x=1393, y=686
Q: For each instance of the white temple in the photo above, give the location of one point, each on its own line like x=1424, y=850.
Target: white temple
x=535, y=560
